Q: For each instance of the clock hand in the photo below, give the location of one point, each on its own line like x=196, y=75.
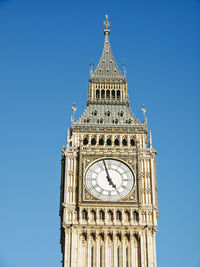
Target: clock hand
x=110, y=180
x=108, y=176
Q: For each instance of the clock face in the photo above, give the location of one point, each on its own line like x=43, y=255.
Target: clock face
x=109, y=179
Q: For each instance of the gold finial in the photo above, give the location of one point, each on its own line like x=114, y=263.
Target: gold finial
x=143, y=110
x=144, y=113
x=91, y=66
x=74, y=110
x=106, y=23
x=124, y=68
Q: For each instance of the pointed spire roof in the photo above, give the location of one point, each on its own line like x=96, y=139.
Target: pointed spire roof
x=107, y=67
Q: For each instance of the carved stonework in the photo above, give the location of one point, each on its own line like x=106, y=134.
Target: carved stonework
x=87, y=195
x=87, y=161
x=132, y=196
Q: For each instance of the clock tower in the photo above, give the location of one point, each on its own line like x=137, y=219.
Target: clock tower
x=108, y=200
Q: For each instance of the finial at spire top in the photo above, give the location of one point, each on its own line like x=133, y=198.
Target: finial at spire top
x=91, y=66
x=107, y=25
x=74, y=110
x=144, y=114
x=124, y=68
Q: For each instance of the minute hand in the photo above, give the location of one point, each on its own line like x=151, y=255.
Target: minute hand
x=108, y=176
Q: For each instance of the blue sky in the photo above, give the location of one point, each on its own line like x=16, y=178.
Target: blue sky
x=45, y=51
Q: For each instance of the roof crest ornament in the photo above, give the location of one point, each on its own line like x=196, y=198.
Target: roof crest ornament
x=74, y=110
x=124, y=68
x=91, y=66
x=107, y=25
x=144, y=115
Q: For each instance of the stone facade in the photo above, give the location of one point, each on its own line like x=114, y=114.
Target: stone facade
x=96, y=233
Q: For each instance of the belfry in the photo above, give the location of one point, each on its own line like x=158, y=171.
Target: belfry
x=108, y=194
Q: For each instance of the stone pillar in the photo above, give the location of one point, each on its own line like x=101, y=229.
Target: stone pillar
x=132, y=251
x=74, y=181
x=153, y=189
x=150, y=249
x=106, y=251
x=74, y=248
x=115, y=245
x=67, y=248
x=142, y=250
x=80, y=249
x=136, y=249
x=154, y=249
x=123, y=251
x=67, y=176
x=89, y=252
x=97, y=254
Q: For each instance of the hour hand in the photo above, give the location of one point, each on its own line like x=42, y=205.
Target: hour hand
x=108, y=176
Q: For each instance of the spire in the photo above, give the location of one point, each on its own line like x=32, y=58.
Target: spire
x=107, y=67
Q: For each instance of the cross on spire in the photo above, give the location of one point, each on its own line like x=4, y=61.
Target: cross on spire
x=107, y=24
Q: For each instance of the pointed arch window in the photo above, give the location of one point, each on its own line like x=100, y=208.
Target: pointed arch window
x=116, y=142
x=113, y=94
x=93, y=141
x=124, y=142
x=103, y=94
x=132, y=142
x=101, y=141
x=109, y=142
x=84, y=215
x=97, y=94
x=101, y=215
x=85, y=141
x=118, y=215
x=118, y=94
x=108, y=94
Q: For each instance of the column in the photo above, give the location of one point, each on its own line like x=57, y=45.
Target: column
x=88, y=262
x=150, y=250
x=106, y=251
x=142, y=250
x=97, y=252
x=115, y=250
x=74, y=254
x=67, y=168
x=66, y=252
x=154, y=249
x=132, y=251
x=123, y=251
x=74, y=181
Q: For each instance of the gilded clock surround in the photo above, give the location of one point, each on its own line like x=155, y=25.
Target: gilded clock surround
x=89, y=160
x=96, y=233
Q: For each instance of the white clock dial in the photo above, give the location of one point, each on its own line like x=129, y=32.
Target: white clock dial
x=109, y=179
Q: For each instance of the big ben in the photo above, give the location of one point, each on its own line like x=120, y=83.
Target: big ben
x=108, y=200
